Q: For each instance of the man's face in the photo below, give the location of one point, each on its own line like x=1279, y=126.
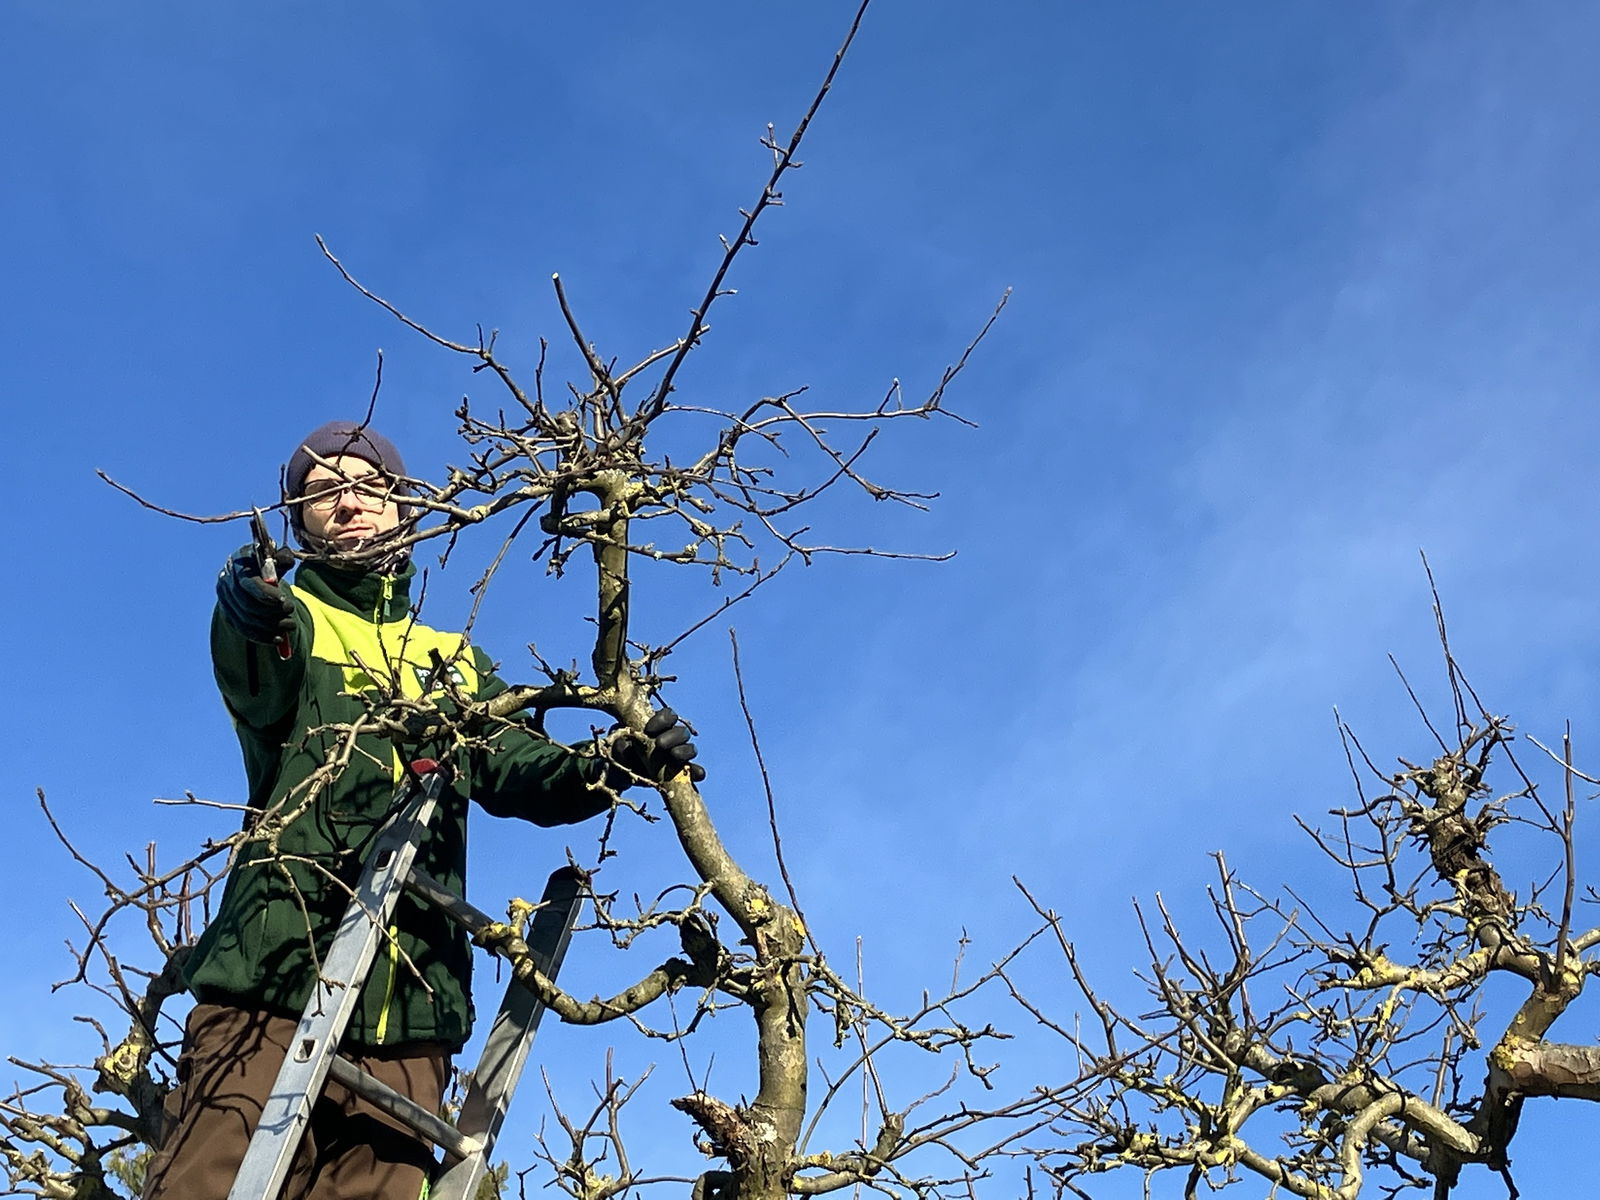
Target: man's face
x=351, y=503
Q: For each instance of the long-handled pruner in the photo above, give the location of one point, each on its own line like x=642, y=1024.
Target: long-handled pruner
x=269, y=569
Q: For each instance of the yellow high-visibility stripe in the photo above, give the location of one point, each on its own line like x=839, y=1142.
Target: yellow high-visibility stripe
x=401, y=650
x=382, y=1032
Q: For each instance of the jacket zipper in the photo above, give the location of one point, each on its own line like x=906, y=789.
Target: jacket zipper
x=380, y=614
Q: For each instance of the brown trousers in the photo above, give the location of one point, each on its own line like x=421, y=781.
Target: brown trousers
x=351, y=1151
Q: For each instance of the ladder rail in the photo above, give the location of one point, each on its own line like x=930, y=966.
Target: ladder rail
x=510, y=1040
x=334, y=996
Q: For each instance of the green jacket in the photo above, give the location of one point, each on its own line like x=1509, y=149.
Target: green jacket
x=257, y=951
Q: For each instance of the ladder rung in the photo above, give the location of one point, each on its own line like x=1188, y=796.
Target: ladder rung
x=405, y=1110
x=426, y=887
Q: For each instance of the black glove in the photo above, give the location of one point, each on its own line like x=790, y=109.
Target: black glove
x=663, y=751
x=261, y=611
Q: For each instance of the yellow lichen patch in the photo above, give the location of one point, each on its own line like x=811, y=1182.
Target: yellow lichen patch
x=122, y=1064
x=1143, y=1143
x=495, y=933
x=1504, y=1055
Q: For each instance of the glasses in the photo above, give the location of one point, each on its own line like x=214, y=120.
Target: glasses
x=369, y=491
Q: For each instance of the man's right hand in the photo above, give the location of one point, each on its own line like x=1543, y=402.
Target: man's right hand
x=261, y=611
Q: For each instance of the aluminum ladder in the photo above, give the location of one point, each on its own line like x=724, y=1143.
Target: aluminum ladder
x=314, y=1054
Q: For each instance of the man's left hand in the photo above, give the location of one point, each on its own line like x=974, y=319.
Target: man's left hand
x=663, y=751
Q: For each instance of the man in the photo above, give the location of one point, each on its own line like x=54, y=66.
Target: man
x=300, y=667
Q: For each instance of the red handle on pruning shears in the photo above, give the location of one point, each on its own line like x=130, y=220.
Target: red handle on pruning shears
x=269, y=570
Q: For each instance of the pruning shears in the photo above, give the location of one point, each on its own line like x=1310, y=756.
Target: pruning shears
x=265, y=549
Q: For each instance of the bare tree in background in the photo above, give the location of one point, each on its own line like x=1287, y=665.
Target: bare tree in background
x=583, y=468
x=1326, y=1048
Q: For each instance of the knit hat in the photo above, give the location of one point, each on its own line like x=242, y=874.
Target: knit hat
x=330, y=441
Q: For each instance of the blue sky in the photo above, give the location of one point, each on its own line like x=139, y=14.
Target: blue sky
x=1300, y=290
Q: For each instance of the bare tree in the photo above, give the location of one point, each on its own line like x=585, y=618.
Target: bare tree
x=728, y=498
x=1326, y=1048
x=1321, y=1052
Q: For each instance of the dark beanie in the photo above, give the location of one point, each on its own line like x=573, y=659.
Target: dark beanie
x=330, y=441
x=336, y=438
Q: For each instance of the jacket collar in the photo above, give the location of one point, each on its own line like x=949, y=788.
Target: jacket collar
x=370, y=594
